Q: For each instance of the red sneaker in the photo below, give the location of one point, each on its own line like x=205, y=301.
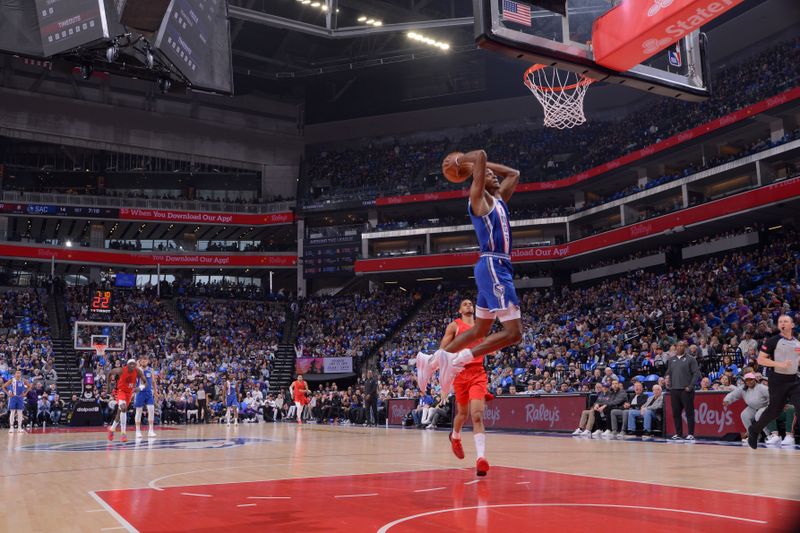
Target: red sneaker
x=455, y=444
x=299, y=421
x=124, y=438
x=481, y=466
x=110, y=435
x=488, y=397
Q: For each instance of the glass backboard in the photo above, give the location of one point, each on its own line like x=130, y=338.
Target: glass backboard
x=566, y=42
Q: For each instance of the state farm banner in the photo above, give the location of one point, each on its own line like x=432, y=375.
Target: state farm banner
x=554, y=412
x=711, y=418
x=323, y=365
x=338, y=365
x=397, y=409
x=670, y=142
x=762, y=196
x=635, y=30
x=143, y=259
x=202, y=217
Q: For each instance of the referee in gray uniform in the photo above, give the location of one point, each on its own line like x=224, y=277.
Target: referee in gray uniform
x=780, y=352
x=683, y=373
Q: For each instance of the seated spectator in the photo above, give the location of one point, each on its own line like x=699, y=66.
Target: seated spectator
x=636, y=401
x=651, y=409
x=590, y=418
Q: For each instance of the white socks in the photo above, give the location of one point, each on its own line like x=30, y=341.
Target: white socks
x=138, y=418
x=457, y=435
x=480, y=444
x=123, y=421
x=228, y=415
x=113, y=425
x=151, y=416
x=12, y=415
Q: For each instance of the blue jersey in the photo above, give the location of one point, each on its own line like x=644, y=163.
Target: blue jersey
x=494, y=274
x=148, y=379
x=493, y=229
x=17, y=387
x=231, y=398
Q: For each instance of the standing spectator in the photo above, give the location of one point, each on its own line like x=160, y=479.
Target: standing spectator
x=202, y=403
x=371, y=390
x=682, y=374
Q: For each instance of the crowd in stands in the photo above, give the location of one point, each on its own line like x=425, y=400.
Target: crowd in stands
x=401, y=169
x=352, y=325
x=628, y=326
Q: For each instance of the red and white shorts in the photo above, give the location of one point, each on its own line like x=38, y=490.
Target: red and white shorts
x=123, y=396
x=471, y=384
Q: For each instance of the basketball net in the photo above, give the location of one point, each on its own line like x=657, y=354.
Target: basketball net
x=561, y=94
x=100, y=349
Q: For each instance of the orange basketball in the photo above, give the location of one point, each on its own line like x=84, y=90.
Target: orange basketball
x=453, y=171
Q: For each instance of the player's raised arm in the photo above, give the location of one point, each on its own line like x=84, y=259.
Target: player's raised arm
x=510, y=179
x=477, y=158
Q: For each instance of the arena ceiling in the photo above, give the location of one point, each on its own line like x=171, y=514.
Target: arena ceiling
x=343, y=67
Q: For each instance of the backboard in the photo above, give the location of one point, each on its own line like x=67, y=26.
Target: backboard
x=86, y=335
x=565, y=42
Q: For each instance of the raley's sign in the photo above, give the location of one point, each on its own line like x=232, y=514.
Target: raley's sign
x=635, y=30
x=711, y=418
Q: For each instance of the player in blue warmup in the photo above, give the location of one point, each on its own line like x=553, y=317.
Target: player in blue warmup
x=16, y=389
x=146, y=396
x=494, y=275
x=231, y=402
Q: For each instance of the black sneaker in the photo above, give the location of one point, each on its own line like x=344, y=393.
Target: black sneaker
x=676, y=438
x=752, y=439
x=690, y=438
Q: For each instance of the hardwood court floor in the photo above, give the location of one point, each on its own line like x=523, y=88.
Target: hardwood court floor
x=322, y=478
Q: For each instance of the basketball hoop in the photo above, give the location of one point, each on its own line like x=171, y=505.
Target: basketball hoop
x=560, y=93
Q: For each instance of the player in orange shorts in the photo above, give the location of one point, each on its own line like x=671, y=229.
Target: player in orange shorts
x=300, y=392
x=126, y=377
x=471, y=389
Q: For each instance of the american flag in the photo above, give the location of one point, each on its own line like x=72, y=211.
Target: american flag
x=515, y=12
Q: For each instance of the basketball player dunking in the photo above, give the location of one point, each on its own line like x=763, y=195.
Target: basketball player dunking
x=494, y=275
x=471, y=388
x=146, y=397
x=123, y=394
x=299, y=390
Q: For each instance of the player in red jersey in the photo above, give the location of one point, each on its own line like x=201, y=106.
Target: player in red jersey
x=126, y=377
x=472, y=390
x=300, y=393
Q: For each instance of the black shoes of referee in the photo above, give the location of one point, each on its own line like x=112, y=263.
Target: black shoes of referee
x=752, y=438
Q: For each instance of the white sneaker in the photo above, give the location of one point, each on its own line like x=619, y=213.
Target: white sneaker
x=597, y=434
x=228, y=424
x=586, y=433
x=11, y=430
x=426, y=366
x=788, y=441
x=577, y=432
x=620, y=435
x=447, y=372
x=138, y=435
x=772, y=440
x=151, y=434
x=607, y=434
x=689, y=439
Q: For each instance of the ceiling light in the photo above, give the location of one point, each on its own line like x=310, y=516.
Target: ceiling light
x=324, y=7
x=362, y=18
x=370, y=21
x=377, y=23
x=314, y=4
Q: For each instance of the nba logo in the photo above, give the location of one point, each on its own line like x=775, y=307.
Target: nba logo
x=675, y=56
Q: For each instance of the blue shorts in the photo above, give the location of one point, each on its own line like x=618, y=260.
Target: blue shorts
x=231, y=401
x=144, y=397
x=497, y=297
x=16, y=403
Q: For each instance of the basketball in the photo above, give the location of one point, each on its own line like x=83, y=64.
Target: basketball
x=454, y=172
